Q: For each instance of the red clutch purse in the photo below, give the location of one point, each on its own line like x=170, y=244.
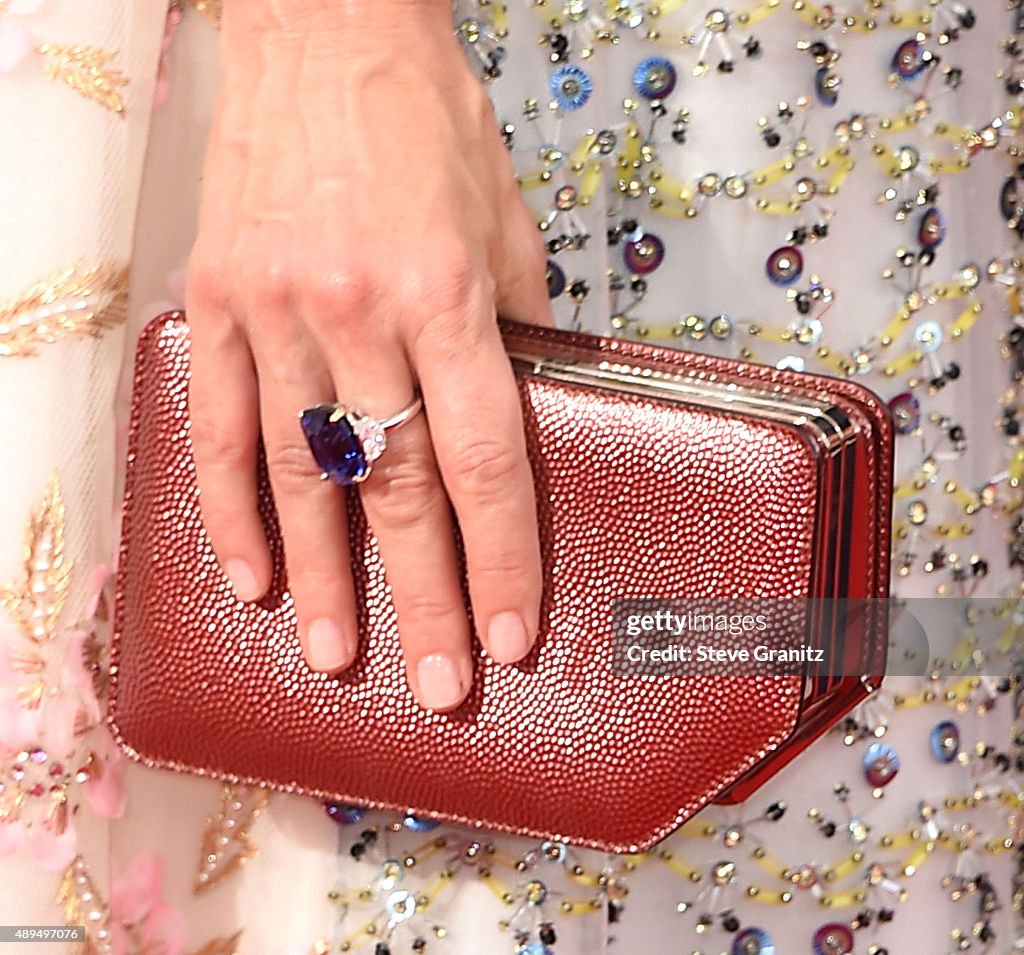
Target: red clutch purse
x=660, y=475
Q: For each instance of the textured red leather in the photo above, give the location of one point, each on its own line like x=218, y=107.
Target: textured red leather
x=637, y=498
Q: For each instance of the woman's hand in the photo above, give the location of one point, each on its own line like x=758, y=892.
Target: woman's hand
x=360, y=226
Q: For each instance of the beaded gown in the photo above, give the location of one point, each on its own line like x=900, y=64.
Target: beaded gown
x=834, y=188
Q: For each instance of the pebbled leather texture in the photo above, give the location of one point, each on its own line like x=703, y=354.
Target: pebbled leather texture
x=637, y=498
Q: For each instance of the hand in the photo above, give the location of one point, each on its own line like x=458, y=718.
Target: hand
x=360, y=226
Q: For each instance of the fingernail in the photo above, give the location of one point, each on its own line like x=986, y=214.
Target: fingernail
x=506, y=637
x=243, y=580
x=328, y=648
x=439, y=685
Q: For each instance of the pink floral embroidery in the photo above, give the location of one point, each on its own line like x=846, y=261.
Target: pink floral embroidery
x=138, y=912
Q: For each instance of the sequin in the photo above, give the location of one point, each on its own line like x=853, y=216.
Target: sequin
x=826, y=86
x=345, y=815
x=400, y=906
x=553, y=851
x=720, y=327
x=906, y=412
x=565, y=199
x=881, y=764
x=785, y=265
x=833, y=938
x=570, y=87
x=928, y=336
x=723, y=873
x=556, y=280
x=643, y=255
x=654, y=78
x=753, y=941
x=909, y=59
x=415, y=824
x=945, y=741
x=932, y=230
x=1010, y=199
x=536, y=892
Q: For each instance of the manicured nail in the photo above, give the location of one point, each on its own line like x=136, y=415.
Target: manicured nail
x=439, y=685
x=328, y=648
x=506, y=637
x=243, y=580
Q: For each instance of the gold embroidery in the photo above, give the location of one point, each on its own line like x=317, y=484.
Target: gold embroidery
x=87, y=70
x=36, y=601
x=221, y=946
x=73, y=302
x=211, y=9
x=82, y=903
x=226, y=843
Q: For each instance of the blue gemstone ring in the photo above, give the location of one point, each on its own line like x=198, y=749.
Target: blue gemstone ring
x=345, y=442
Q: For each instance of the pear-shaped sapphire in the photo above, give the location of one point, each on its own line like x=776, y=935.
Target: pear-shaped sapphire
x=336, y=447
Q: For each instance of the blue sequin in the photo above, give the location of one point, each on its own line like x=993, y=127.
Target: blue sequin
x=881, y=764
x=753, y=941
x=654, y=78
x=570, y=87
x=826, y=86
x=415, y=824
x=556, y=280
x=345, y=815
x=945, y=741
x=909, y=59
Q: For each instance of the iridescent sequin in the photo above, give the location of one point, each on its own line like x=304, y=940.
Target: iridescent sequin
x=785, y=265
x=654, y=78
x=570, y=87
x=945, y=741
x=415, y=824
x=906, y=412
x=555, y=279
x=826, y=86
x=881, y=764
x=753, y=941
x=644, y=254
x=833, y=938
x=932, y=230
x=345, y=815
x=910, y=59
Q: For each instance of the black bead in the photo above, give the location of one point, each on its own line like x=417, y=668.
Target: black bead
x=614, y=911
x=369, y=836
x=771, y=138
x=419, y=944
x=731, y=924
x=382, y=948
x=967, y=19
x=679, y=134
x=952, y=371
x=752, y=47
x=547, y=933
x=829, y=829
x=629, y=225
x=726, y=66
x=956, y=433
x=357, y=851
x=776, y=811
x=818, y=49
x=886, y=915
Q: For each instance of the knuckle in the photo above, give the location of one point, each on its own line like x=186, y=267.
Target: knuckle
x=214, y=441
x=274, y=286
x=484, y=468
x=292, y=467
x=338, y=296
x=206, y=288
x=402, y=494
x=421, y=610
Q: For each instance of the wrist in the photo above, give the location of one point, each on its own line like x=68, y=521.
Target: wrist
x=308, y=19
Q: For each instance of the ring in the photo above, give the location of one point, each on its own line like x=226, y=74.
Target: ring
x=345, y=442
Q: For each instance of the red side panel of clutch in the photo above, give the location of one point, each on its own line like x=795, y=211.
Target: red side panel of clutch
x=631, y=495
